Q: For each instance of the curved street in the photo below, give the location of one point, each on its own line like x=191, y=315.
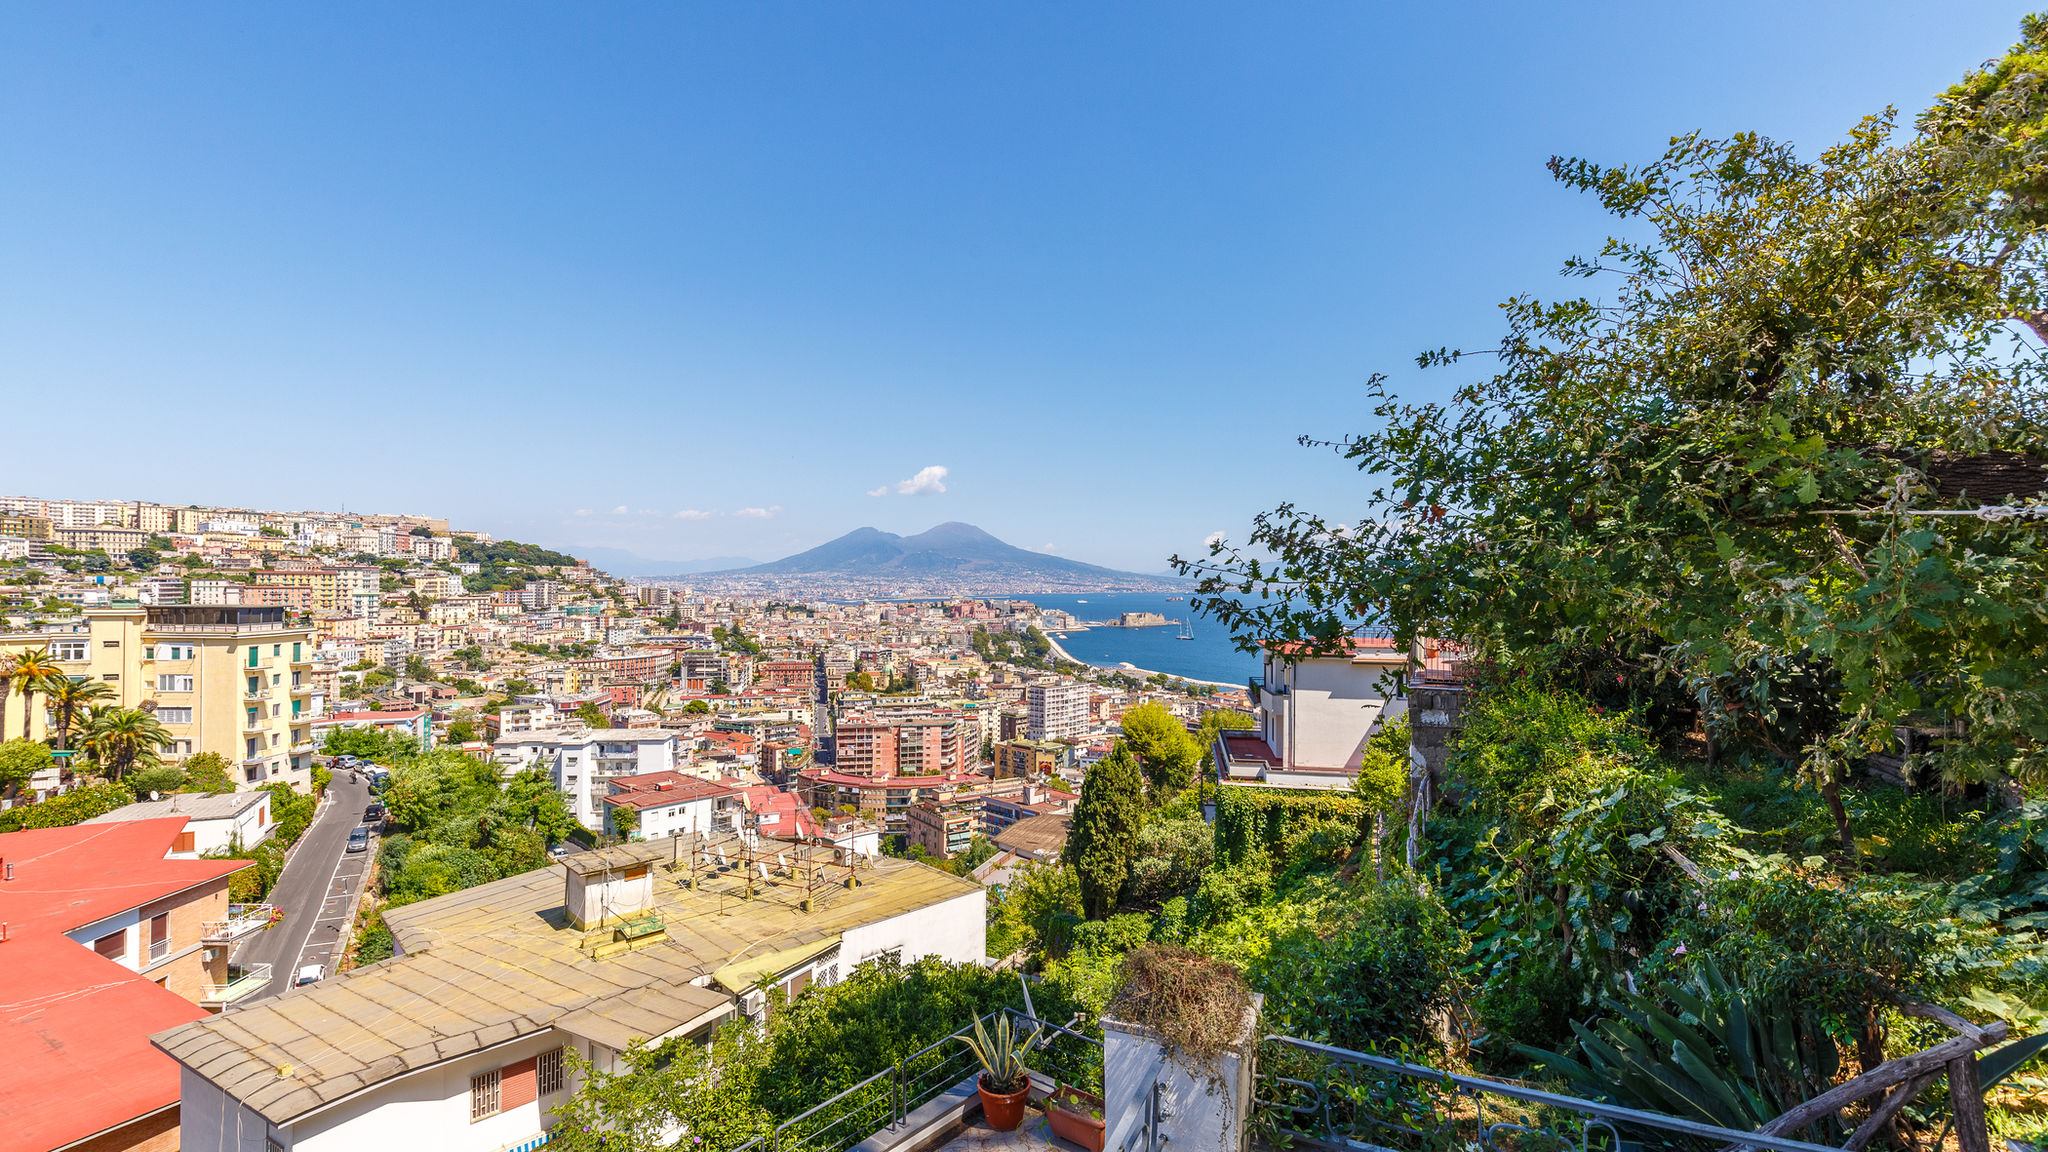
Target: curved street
x=316, y=892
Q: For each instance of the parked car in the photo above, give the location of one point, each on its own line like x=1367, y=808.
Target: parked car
x=359, y=840
x=311, y=973
x=374, y=814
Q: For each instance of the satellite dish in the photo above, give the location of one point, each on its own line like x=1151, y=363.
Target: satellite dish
x=156, y=796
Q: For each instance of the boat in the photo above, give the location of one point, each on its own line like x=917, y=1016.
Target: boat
x=1187, y=630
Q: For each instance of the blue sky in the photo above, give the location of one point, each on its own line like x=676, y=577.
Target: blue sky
x=705, y=280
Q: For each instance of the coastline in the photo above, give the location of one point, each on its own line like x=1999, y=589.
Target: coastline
x=1063, y=654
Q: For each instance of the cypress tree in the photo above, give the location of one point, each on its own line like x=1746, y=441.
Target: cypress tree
x=1105, y=833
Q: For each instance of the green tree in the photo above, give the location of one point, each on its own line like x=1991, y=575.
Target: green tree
x=120, y=740
x=1107, y=819
x=61, y=811
x=70, y=697
x=1713, y=478
x=207, y=772
x=163, y=779
x=592, y=715
x=416, y=668
x=144, y=558
x=33, y=672
x=1164, y=749
x=697, y=708
x=19, y=760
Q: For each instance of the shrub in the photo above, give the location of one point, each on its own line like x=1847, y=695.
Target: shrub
x=80, y=804
x=1376, y=966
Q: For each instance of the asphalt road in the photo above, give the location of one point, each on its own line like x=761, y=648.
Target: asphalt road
x=316, y=892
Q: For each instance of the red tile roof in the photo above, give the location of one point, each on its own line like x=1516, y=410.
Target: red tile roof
x=75, y=1026
x=1353, y=645
x=660, y=789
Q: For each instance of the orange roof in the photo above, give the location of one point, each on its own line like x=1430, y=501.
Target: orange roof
x=74, y=1025
x=1353, y=646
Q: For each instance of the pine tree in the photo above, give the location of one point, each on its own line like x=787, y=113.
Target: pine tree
x=1105, y=833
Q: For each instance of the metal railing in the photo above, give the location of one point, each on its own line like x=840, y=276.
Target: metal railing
x=158, y=949
x=242, y=919
x=241, y=982
x=885, y=1100
x=1324, y=1097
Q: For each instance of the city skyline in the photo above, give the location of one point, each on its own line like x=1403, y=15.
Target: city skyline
x=701, y=284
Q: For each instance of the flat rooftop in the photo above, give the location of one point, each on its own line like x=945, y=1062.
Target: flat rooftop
x=501, y=960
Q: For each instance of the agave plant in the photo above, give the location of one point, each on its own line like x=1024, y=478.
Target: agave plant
x=1743, y=1063
x=1001, y=1053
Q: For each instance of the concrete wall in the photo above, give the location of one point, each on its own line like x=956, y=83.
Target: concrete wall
x=955, y=930
x=430, y=1108
x=1330, y=708
x=1200, y=1109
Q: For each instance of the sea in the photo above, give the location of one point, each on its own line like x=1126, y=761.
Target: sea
x=1211, y=655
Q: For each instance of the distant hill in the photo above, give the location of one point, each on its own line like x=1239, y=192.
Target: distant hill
x=951, y=551
x=620, y=562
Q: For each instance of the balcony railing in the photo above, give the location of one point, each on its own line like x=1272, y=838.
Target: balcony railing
x=243, y=920
x=241, y=982
x=1316, y=1096
x=158, y=949
x=883, y=1102
x=255, y=695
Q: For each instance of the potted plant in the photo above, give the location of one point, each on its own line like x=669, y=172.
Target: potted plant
x=1005, y=1081
x=1076, y=1117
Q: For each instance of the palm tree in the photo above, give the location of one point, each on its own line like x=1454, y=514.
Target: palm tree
x=33, y=672
x=121, y=740
x=71, y=697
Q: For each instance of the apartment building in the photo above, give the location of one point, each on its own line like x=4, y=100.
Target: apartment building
x=801, y=674
x=942, y=829
x=322, y=585
x=109, y=939
x=672, y=804
x=905, y=743
x=26, y=527
x=459, y=1042
x=1315, y=714
x=1031, y=758
x=224, y=679
x=106, y=538
x=1056, y=710
x=583, y=761
x=212, y=823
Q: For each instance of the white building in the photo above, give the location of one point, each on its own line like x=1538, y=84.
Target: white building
x=583, y=760
x=212, y=823
x=459, y=1042
x=1056, y=711
x=672, y=804
x=1315, y=716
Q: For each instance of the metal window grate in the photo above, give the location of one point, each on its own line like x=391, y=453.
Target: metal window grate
x=483, y=1096
x=548, y=1071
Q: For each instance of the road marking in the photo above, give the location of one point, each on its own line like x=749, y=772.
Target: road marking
x=306, y=941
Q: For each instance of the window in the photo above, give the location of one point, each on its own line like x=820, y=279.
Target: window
x=277, y=649
x=548, y=1070
x=255, y=747
x=110, y=643
x=110, y=675
x=174, y=715
x=181, y=747
x=169, y=682
x=114, y=945
x=483, y=1096
x=68, y=650
x=149, y=652
x=253, y=774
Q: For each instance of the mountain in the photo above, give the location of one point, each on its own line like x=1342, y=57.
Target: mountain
x=951, y=551
x=620, y=562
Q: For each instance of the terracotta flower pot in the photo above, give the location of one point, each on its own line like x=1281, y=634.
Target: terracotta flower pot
x=1003, y=1110
x=1077, y=1117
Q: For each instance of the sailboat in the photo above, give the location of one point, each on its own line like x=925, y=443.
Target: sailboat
x=1187, y=630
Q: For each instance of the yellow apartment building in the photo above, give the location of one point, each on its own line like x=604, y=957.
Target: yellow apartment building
x=231, y=679
x=324, y=582
x=26, y=527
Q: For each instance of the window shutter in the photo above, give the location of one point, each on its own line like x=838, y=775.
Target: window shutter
x=483, y=1096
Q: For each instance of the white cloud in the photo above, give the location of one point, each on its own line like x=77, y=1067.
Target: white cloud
x=693, y=514
x=929, y=479
x=1048, y=547
x=583, y=511
x=759, y=513
x=1213, y=539
x=619, y=511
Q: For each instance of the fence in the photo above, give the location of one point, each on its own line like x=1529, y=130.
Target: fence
x=886, y=1099
x=1323, y=1097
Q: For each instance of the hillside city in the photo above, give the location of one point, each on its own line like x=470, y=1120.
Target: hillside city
x=1647, y=752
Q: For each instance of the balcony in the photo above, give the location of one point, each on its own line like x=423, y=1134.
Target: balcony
x=252, y=697
x=302, y=689
x=243, y=920
x=242, y=981
x=158, y=949
x=255, y=723
x=303, y=747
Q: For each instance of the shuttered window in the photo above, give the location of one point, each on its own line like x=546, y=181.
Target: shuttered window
x=548, y=1071
x=483, y=1096
x=516, y=1084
